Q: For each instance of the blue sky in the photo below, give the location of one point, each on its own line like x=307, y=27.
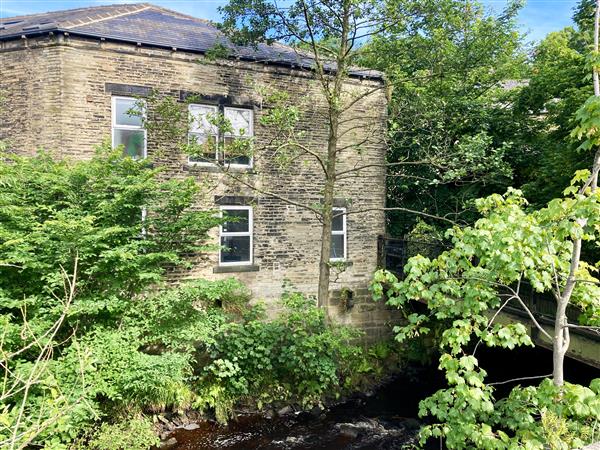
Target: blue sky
x=538, y=18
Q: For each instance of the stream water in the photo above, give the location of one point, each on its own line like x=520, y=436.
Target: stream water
x=385, y=419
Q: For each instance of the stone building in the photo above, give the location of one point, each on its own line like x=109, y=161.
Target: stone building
x=70, y=78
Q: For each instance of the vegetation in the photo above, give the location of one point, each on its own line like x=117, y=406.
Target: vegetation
x=94, y=340
x=469, y=285
x=330, y=33
x=90, y=332
x=295, y=358
x=451, y=130
x=546, y=109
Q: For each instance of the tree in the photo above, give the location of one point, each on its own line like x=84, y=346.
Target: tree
x=469, y=285
x=456, y=74
x=546, y=110
x=18, y=430
x=84, y=358
x=331, y=31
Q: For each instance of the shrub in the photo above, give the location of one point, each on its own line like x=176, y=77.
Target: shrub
x=186, y=316
x=296, y=357
x=76, y=255
x=129, y=434
x=91, y=332
x=55, y=212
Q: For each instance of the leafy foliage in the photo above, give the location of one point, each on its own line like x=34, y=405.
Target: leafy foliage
x=52, y=213
x=295, y=357
x=70, y=363
x=450, y=126
x=123, y=342
x=168, y=121
x=546, y=109
x=133, y=434
x=467, y=285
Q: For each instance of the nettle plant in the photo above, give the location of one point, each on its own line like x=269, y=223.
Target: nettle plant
x=295, y=358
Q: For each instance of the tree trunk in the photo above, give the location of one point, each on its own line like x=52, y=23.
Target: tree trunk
x=561, y=330
x=327, y=216
x=333, y=91
x=560, y=344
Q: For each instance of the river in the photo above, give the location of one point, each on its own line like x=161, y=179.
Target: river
x=385, y=419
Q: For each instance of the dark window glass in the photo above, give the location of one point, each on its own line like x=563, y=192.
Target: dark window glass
x=338, y=221
x=239, y=224
x=235, y=249
x=337, y=246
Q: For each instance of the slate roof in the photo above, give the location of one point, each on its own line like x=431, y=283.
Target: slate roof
x=152, y=25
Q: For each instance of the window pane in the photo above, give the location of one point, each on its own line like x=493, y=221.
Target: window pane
x=337, y=246
x=338, y=222
x=241, y=120
x=241, y=160
x=133, y=140
x=235, y=249
x=235, y=152
x=203, y=146
x=200, y=119
x=238, y=226
x=122, y=107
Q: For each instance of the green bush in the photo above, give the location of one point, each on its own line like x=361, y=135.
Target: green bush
x=77, y=356
x=53, y=213
x=182, y=317
x=122, y=342
x=129, y=434
x=295, y=357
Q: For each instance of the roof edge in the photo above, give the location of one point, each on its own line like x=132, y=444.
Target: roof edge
x=372, y=76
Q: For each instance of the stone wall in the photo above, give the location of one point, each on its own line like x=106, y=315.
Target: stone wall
x=57, y=92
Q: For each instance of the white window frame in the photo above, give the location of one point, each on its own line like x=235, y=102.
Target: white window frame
x=250, y=233
x=343, y=232
x=191, y=117
x=115, y=126
x=249, y=135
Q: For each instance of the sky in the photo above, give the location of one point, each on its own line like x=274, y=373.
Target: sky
x=537, y=18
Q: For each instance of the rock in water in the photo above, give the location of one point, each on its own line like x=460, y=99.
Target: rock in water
x=169, y=443
x=286, y=410
x=347, y=430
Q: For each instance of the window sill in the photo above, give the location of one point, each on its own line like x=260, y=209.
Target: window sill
x=341, y=262
x=235, y=269
x=213, y=168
